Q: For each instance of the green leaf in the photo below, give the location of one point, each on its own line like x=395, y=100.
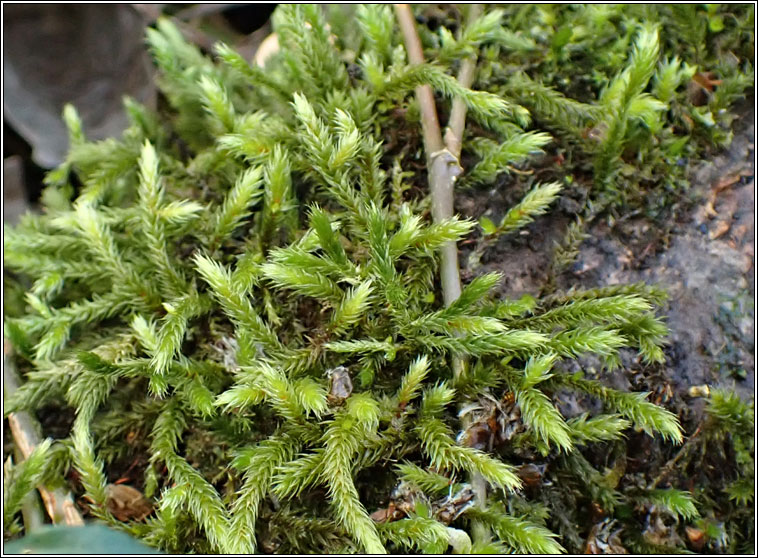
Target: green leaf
x=716, y=23
x=90, y=539
x=488, y=227
x=561, y=38
x=678, y=502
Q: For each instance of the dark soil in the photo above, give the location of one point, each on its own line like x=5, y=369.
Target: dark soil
x=703, y=258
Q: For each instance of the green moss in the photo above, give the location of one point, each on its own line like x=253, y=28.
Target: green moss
x=248, y=282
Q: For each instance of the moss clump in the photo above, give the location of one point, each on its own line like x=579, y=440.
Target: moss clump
x=242, y=293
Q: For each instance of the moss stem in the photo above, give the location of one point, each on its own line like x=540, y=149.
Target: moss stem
x=444, y=169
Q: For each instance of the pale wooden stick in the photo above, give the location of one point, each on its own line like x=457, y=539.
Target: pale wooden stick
x=454, y=143
x=443, y=166
x=457, y=122
x=24, y=428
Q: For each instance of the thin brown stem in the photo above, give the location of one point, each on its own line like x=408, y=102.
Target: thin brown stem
x=441, y=163
x=454, y=144
x=684, y=450
x=24, y=428
x=444, y=169
x=457, y=122
x=424, y=94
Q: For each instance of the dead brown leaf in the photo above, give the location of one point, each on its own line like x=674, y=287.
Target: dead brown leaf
x=705, y=80
x=127, y=503
x=700, y=87
x=696, y=537
x=604, y=540
x=725, y=182
x=709, y=210
x=720, y=229
x=341, y=386
x=383, y=514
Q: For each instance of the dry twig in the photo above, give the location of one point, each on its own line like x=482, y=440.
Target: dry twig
x=444, y=169
x=684, y=450
x=442, y=164
x=24, y=428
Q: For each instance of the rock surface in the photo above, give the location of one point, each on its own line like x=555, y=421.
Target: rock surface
x=707, y=267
